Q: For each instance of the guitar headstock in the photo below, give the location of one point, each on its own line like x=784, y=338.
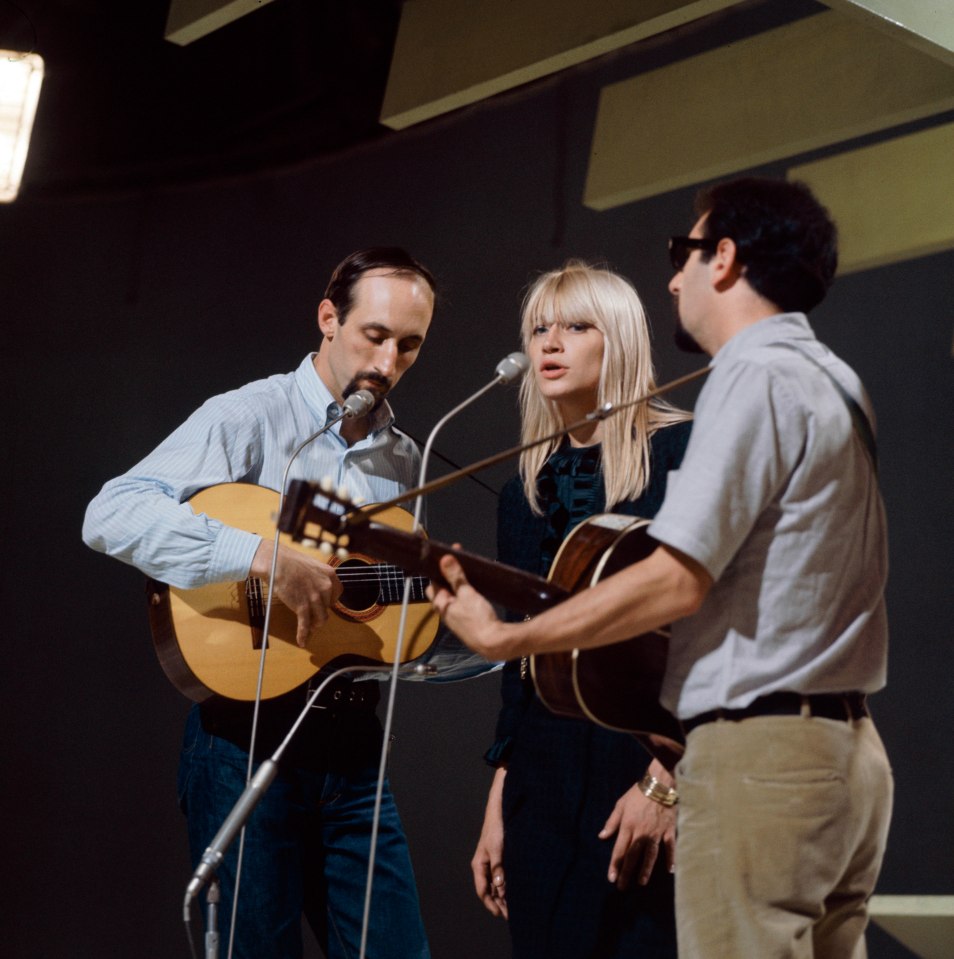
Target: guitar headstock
x=307, y=517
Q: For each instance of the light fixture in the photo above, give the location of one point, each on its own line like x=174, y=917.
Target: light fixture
x=20, y=77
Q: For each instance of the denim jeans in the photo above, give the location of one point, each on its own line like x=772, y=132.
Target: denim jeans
x=306, y=847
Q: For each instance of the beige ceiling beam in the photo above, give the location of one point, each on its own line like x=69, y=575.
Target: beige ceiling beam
x=190, y=19
x=451, y=53
x=925, y=24
x=891, y=201
x=815, y=82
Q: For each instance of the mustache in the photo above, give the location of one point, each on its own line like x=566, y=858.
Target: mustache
x=368, y=376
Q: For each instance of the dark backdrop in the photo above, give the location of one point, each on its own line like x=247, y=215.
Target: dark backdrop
x=121, y=313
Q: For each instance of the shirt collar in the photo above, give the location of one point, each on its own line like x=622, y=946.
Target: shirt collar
x=323, y=405
x=574, y=460
x=781, y=326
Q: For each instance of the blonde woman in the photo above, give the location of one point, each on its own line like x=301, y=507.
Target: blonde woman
x=572, y=852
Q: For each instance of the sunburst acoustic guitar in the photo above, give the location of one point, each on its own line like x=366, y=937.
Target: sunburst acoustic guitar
x=209, y=640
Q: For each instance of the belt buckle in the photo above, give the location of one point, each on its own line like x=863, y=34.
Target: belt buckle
x=310, y=691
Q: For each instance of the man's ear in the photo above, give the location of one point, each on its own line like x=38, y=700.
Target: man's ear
x=327, y=318
x=725, y=265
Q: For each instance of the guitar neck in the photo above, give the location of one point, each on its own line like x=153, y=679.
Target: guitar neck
x=515, y=589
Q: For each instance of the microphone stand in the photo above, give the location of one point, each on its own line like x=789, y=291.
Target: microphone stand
x=600, y=413
x=212, y=919
x=508, y=369
x=358, y=403
x=243, y=808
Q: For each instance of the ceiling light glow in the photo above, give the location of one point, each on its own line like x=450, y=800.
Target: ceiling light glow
x=20, y=77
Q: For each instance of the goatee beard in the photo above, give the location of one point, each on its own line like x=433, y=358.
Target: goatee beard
x=377, y=385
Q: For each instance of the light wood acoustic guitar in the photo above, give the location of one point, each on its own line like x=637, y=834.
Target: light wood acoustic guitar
x=616, y=686
x=209, y=639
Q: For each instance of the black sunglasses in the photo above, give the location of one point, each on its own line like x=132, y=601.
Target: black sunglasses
x=681, y=246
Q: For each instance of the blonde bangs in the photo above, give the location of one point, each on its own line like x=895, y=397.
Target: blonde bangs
x=582, y=293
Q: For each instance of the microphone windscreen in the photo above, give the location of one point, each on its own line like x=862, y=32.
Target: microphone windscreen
x=358, y=403
x=512, y=366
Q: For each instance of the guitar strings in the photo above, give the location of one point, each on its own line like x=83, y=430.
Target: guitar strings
x=385, y=575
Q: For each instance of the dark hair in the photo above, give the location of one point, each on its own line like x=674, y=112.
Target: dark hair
x=784, y=237
x=347, y=273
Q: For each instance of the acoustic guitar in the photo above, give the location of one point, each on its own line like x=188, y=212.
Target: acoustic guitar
x=209, y=639
x=616, y=686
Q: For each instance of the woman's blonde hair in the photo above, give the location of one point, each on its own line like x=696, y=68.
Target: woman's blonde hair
x=579, y=293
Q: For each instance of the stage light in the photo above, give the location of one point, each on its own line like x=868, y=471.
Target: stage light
x=20, y=77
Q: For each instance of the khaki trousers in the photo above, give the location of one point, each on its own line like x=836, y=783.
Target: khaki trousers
x=783, y=822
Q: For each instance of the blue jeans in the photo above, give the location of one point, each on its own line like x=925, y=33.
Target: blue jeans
x=306, y=847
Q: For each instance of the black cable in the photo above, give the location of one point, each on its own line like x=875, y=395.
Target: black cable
x=451, y=463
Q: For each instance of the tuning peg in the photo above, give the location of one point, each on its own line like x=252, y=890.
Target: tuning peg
x=343, y=494
x=326, y=549
x=326, y=484
x=310, y=543
x=342, y=553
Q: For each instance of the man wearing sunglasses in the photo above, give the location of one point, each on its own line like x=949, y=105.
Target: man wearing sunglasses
x=771, y=565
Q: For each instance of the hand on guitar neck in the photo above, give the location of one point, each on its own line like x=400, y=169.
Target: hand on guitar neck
x=305, y=585
x=617, y=685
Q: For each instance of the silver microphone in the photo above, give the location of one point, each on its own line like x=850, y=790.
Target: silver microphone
x=507, y=370
x=512, y=367
x=235, y=820
x=360, y=402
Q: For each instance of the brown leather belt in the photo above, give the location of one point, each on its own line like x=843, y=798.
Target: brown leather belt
x=843, y=706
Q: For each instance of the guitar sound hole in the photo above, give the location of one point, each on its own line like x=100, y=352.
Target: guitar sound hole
x=362, y=589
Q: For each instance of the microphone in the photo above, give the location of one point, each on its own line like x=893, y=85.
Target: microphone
x=259, y=784
x=602, y=412
x=508, y=369
x=512, y=367
x=360, y=402
x=215, y=851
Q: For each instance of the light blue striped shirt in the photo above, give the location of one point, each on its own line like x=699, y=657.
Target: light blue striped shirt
x=247, y=436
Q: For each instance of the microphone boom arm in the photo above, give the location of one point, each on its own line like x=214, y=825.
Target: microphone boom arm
x=289, y=524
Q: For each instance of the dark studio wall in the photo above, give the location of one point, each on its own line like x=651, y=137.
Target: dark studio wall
x=122, y=313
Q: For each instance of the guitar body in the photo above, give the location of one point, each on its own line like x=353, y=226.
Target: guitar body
x=616, y=686
x=209, y=639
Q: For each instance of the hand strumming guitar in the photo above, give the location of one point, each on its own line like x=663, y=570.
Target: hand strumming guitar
x=305, y=585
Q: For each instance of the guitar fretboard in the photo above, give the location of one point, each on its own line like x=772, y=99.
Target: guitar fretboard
x=391, y=582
